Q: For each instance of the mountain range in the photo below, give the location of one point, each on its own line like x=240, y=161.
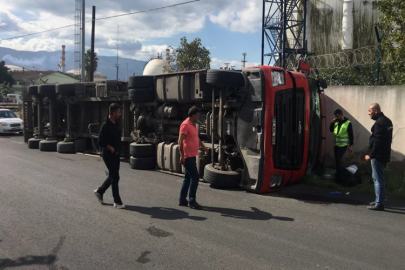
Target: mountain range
x=48, y=61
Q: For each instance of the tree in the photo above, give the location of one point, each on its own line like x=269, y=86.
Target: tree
x=87, y=63
x=392, y=24
x=192, y=56
x=5, y=75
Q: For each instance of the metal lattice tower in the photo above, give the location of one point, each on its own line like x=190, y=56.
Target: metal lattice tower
x=78, y=35
x=283, y=32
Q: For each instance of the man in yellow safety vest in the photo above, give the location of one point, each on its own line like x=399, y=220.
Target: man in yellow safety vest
x=343, y=131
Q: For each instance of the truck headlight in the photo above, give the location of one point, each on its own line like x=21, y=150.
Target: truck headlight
x=277, y=76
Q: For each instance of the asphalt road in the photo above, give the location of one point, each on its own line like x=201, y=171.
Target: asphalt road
x=50, y=219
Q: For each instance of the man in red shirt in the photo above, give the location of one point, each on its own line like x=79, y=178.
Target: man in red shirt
x=189, y=144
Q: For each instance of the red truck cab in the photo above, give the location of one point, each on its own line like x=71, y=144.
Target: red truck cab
x=289, y=129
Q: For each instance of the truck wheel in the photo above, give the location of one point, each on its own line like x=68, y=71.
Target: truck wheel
x=66, y=147
x=138, y=150
x=47, y=90
x=48, y=146
x=65, y=89
x=221, y=179
x=146, y=163
x=141, y=82
x=33, y=90
x=228, y=78
x=33, y=143
x=141, y=94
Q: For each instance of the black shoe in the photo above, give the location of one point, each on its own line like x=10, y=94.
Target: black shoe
x=99, y=196
x=376, y=207
x=195, y=205
x=183, y=203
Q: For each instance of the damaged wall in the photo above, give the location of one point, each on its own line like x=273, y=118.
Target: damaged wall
x=324, y=24
x=354, y=102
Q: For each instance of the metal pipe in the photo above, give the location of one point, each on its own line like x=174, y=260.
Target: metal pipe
x=51, y=118
x=212, y=127
x=305, y=53
x=69, y=122
x=263, y=29
x=284, y=34
x=221, y=130
x=93, y=25
x=83, y=39
x=40, y=116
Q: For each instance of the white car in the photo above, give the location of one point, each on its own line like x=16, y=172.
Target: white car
x=9, y=122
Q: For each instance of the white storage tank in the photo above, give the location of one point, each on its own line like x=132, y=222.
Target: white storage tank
x=155, y=67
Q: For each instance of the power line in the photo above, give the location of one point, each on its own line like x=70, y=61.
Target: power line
x=104, y=18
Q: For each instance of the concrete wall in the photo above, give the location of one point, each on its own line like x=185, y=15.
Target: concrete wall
x=354, y=102
x=324, y=25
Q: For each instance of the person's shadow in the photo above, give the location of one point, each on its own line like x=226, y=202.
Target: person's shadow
x=31, y=260
x=163, y=213
x=255, y=214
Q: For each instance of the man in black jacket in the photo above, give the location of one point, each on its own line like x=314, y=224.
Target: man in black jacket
x=379, y=152
x=343, y=137
x=110, y=142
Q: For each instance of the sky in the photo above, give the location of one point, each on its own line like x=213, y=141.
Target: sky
x=227, y=28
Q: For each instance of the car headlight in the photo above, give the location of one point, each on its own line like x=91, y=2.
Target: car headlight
x=3, y=124
x=277, y=76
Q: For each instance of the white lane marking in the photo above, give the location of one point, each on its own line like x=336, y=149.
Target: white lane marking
x=17, y=142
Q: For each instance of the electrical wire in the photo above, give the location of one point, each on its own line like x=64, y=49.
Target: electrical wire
x=104, y=18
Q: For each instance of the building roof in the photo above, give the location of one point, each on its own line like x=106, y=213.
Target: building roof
x=32, y=75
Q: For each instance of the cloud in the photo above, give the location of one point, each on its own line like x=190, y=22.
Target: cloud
x=24, y=62
x=245, y=19
x=137, y=33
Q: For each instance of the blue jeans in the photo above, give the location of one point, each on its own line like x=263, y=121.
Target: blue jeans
x=191, y=179
x=378, y=168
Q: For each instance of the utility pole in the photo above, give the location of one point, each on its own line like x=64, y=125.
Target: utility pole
x=127, y=71
x=118, y=37
x=83, y=39
x=244, y=60
x=93, y=26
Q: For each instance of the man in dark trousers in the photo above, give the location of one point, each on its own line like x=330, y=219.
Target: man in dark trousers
x=110, y=142
x=343, y=131
x=189, y=143
x=379, y=153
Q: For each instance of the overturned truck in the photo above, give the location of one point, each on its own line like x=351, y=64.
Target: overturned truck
x=263, y=126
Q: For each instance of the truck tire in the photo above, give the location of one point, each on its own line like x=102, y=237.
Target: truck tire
x=141, y=94
x=141, y=82
x=227, y=78
x=65, y=89
x=33, y=143
x=138, y=150
x=66, y=147
x=47, y=90
x=32, y=90
x=221, y=179
x=48, y=146
x=146, y=163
